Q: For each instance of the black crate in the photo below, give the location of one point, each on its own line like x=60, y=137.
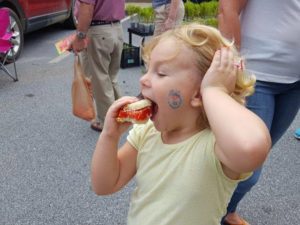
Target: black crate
x=130, y=56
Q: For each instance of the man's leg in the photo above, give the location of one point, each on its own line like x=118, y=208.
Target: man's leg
x=99, y=49
x=114, y=66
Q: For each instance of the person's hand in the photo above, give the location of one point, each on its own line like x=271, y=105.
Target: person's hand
x=222, y=72
x=77, y=45
x=111, y=126
x=169, y=24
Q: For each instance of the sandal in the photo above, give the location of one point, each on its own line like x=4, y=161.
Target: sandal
x=244, y=222
x=96, y=126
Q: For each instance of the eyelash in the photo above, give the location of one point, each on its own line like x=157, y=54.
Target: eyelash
x=161, y=74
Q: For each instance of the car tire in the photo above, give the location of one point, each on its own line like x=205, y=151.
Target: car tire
x=18, y=36
x=70, y=23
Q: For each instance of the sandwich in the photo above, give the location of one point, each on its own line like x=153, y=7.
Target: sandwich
x=137, y=112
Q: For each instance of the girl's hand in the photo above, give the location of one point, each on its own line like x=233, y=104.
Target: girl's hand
x=222, y=72
x=111, y=126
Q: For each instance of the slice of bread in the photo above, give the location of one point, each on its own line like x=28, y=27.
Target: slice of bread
x=138, y=105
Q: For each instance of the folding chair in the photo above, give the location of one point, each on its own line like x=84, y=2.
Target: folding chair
x=6, y=44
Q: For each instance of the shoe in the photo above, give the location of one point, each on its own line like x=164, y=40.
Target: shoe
x=96, y=126
x=244, y=222
x=297, y=134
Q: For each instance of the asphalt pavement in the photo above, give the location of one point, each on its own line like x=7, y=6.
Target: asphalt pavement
x=46, y=153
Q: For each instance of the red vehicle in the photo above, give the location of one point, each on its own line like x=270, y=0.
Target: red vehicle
x=31, y=15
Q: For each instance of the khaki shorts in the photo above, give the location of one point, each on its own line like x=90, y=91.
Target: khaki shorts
x=161, y=15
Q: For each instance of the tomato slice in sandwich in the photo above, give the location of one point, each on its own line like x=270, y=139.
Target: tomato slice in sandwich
x=137, y=112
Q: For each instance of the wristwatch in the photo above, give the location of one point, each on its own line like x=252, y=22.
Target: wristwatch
x=80, y=35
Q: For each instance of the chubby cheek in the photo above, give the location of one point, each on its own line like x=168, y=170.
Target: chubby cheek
x=175, y=99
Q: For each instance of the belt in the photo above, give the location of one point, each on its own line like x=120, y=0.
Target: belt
x=102, y=22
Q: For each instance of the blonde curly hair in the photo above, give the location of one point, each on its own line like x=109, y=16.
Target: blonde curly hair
x=205, y=41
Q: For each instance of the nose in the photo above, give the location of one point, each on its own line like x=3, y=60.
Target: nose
x=144, y=80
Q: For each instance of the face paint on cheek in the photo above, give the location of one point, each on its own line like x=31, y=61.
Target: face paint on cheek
x=174, y=99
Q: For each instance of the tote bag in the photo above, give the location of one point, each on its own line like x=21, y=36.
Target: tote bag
x=82, y=97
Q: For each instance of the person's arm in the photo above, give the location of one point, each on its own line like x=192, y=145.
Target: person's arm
x=112, y=168
x=170, y=22
x=229, y=19
x=85, y=16
x=242, y=139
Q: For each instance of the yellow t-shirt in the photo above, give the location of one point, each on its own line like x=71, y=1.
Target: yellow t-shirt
x=177, y=184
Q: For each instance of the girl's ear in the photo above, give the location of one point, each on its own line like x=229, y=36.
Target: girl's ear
x=196, y=100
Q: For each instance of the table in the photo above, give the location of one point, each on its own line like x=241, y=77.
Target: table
x=138, y=32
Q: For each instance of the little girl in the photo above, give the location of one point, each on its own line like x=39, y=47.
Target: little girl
x=201, y=140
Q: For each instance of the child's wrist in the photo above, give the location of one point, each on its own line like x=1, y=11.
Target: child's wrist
x=110, y=135
x=214, y=89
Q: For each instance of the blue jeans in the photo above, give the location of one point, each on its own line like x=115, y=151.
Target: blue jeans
x=277, y=105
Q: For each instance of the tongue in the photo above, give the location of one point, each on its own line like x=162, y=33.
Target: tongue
x=154, y=109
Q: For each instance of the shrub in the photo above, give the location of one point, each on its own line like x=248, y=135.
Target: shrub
x=211, y=22
x=132, y=9
x=210, y=9
x=146, y=15
x=190, y=10
x=204, y=12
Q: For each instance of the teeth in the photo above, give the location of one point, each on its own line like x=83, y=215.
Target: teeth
x=153, y=104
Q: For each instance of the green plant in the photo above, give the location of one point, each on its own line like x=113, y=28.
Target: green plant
x=211, y=22
x=190, y=10
x=146, y=15
x=204, y=10
x=210, y=9
x=132, y=9
x=200, y=10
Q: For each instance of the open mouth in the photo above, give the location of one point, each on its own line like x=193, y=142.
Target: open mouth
x=154, y=107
